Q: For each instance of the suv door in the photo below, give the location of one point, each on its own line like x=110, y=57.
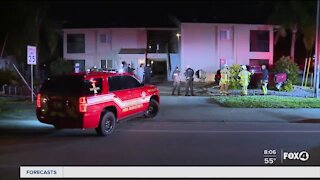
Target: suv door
x=136, y=94
x=117, y=86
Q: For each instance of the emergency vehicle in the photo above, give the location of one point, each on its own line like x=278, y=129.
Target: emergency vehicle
x=95, y=100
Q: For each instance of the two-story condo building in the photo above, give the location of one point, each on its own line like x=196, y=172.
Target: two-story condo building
x=204, y=46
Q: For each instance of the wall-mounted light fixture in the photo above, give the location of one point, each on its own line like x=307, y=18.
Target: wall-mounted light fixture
x=178, y=35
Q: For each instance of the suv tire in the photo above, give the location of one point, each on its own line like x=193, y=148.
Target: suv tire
x=107, y=124
x=152, y=110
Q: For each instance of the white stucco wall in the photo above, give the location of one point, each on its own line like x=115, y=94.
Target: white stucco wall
x=243, y=53
x=90, y=55
x=95, y=51
x=198, y=46
x=201, y=47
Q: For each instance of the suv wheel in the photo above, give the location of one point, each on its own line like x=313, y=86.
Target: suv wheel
x=107, y=124
x=152, y=110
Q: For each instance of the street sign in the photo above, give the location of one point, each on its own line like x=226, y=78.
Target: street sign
x=32, y=60
x=32, y=55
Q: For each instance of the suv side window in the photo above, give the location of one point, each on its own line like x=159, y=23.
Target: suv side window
x=131, y=82
x=93, y=86
x=115, y=83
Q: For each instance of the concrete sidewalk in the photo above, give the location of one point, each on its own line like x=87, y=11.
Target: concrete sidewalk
x=165, y=89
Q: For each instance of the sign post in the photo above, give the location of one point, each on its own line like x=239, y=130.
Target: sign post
x=317, y=53
x=32, y=60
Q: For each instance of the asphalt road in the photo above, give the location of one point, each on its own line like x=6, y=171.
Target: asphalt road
x=187, y=131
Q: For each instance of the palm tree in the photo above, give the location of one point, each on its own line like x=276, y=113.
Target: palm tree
x=290, y=15
x=30, y=25
x=309, y=28
x=308, y=32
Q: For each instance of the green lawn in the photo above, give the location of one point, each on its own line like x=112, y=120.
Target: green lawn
x=13, y=107
x=266, y=102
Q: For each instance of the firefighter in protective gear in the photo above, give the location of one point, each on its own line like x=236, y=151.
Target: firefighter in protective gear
x=244, y=79
x=224, y=80
x=176, y=80
x=264, y=80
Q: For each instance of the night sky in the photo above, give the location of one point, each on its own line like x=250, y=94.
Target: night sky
x=157, y=13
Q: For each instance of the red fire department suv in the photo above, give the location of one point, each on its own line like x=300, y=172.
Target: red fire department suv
x=95, y=100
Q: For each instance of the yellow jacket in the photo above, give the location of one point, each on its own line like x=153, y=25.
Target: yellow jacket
x=225, y=76
x=244, y=77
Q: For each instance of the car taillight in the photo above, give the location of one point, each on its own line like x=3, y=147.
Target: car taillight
x=38, y=100
x=82, y=104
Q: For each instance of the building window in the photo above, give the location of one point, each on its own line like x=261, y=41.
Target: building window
x=109, y=64
x=106, y=64
x=259, y=41
x=75, y=43
x=103, y=64
x=103, y=38
x=225, y=35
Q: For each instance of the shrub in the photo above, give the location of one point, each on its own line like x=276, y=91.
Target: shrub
x=7, y=77
x=287, y=86
x=286, y=65
x=234, y=80
x=60, y=66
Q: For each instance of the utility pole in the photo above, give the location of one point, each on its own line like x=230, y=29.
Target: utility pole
x=317, y=53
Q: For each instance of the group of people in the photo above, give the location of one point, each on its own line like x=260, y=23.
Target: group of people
x=244, y=76
x=222, y=77
x=142, y=73
x=176, y=77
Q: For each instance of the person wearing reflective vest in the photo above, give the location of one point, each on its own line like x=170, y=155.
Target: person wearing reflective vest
x=244, y=79
x=224, y=80
x=176, y=80
x=264, y=80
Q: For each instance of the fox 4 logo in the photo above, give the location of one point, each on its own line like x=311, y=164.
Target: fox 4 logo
x=302, y=156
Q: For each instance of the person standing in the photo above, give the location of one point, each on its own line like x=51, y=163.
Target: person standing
x=176, y=80
x=140, y=73
x=124, y=66
x=121, y=69
x=264, y=80
x=244, y=79
x=130, y=69
x=189, y=80
x=147, y=74
x=224, y=81
x=217, y=77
